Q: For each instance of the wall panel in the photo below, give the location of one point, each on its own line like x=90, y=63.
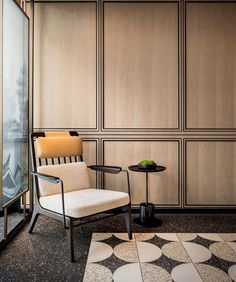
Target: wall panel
x=90, y=157
x=164, y=186
x=65, y=65
x=164, y=80
x=210, y=172
x=211, y=65
x=140, y=65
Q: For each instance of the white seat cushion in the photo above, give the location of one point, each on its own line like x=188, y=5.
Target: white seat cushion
x=85, y=202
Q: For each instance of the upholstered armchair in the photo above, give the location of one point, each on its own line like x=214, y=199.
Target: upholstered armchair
x=62, y=187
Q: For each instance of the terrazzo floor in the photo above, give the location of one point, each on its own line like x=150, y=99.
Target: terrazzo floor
x=13, y=220
x=43, y=255
x=162, y=257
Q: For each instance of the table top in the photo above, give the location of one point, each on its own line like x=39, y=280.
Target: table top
x=137, y=169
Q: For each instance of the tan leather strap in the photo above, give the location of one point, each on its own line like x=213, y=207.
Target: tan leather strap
x=57, y=134
x=54, y=147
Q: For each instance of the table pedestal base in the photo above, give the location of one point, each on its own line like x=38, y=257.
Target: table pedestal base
x=147, y=216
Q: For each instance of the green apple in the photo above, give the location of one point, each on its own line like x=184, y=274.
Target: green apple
x=147, y=163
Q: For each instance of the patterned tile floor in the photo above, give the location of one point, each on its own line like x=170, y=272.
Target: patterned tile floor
x=162, y=257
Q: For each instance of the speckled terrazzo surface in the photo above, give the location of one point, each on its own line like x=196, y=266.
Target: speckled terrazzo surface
x=13, y=220
x=162, y=257
x=43, y=256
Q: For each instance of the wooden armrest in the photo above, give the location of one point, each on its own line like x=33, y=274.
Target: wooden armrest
x=106, y=168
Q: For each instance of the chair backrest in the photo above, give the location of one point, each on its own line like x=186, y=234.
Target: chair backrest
x=59, y=154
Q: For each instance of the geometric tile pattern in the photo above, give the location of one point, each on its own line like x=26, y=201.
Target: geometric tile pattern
x=162, y=257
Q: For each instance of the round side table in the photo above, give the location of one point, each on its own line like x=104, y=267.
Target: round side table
x=147, y=210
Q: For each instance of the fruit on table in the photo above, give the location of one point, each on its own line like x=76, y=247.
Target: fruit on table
x=147, y=164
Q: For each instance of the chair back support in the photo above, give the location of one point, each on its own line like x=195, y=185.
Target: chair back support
x=58, y=154
x=56, y=147
x=74, y=175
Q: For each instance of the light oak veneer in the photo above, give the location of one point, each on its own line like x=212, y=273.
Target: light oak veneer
x=163, y=186
x=141, y=65
x=211, y=177
x=65, y=65
x=211, y=65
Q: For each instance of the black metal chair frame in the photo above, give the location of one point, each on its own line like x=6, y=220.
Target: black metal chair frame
x=69, y=222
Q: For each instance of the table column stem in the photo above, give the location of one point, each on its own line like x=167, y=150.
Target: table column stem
x=146, y=188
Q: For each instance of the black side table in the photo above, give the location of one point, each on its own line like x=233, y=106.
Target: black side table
x=147, y=210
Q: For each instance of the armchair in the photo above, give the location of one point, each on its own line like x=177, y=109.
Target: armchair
x=62, y=187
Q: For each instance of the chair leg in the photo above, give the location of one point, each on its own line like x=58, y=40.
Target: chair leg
x=33, y=220
x=70, y=236
x=128, y=223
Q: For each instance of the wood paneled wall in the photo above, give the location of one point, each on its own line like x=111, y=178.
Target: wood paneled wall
x=144, y=80
x=210, y=172
x=90, y=147
x=141, y=65
x=65, y=65
x=211, y=65
x=164, y=186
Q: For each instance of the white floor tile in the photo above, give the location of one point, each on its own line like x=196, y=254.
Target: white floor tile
x=168, y=236
x=99, y=251
x=123, y=236
x=197, y=252
x=130, y=272
x=148, y=252
x=232, y=245
x=232, y=272
x=185, y=273
x=210, y=236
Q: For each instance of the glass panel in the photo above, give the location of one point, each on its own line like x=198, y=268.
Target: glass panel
x=15, y=101
x=14, y=217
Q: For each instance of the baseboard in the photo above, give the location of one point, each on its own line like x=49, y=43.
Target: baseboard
x=190, y=210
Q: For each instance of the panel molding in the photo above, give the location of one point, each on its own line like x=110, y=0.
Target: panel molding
x=179, y=96
x=176, y=140
x=82, y=129
x=185, y=128
x=185, y=194
x=96, y=140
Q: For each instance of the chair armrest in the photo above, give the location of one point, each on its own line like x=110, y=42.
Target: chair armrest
x=113, y=170
x=49, y=178
x=106, y=168
x=55, y=180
